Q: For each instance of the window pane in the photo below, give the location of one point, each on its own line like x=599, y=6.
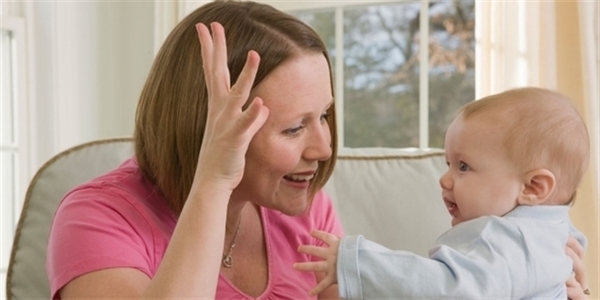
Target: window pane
x=451, y=63
x=381, y=75
x=323, y=22
x=382, y=71
x=7, y=196
x=3, y=286
x=6, y=92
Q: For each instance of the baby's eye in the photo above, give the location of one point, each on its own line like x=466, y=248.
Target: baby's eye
x=463, y=167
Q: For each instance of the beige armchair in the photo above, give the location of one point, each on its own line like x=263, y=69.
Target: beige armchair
x=26, y=277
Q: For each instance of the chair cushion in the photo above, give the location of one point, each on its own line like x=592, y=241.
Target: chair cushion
x=391, y=196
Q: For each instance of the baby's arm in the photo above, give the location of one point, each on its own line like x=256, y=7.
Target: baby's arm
x=329, y=263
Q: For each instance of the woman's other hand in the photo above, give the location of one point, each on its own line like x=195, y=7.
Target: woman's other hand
x=576, y=285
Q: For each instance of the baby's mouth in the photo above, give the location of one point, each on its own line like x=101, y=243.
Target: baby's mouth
x=451, y=206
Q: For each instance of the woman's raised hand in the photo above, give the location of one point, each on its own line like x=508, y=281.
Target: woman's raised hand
x=229, y=129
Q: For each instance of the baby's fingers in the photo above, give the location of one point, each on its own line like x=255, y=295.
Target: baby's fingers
x=313, y=250
x=324, y=236
x=312, y=266
x=323, y=285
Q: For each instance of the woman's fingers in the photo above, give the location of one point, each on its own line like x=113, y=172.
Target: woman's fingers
x=220, y=71
x=240, y=91
x=229, y=129
x=578, y=266
x=576, y=251
x=574, y=290
x=206, y=49
x=216, y=71
x=576, y=246
x=254, y=117
x=213, y=49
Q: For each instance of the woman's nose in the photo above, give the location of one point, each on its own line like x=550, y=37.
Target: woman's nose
x=319, y=144
x=446, y=181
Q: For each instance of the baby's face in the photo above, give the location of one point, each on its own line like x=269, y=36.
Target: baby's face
x=480, y=180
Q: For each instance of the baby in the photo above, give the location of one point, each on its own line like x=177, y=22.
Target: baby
x=514, y=162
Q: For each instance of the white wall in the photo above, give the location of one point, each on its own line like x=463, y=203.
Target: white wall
x=90, y=61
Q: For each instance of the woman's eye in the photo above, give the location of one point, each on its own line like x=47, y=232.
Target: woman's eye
x=324, y=116
x=463, y=167
x=293, y=131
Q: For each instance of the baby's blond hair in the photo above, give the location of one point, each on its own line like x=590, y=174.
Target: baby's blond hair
x=542, y=130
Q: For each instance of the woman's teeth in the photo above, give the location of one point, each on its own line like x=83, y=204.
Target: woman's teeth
x=299, y=177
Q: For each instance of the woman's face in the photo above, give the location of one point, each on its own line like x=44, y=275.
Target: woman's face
x=283, y=155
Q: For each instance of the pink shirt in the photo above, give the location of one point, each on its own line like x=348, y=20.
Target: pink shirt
x=119, y=220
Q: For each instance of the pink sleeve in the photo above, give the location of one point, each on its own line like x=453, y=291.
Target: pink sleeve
x=96, y=228
x=326, y=217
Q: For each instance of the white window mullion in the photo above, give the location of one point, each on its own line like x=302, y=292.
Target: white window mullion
x=424, y=76
x=14, y=150
x=19, y=147
x=22, y=121
x=339, y=73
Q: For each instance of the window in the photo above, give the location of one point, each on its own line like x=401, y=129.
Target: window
x=378, y=52
x=13, y=146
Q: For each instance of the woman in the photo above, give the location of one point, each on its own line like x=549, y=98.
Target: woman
x=226, y=180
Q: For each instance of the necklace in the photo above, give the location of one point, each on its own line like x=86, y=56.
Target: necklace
x=227, y=259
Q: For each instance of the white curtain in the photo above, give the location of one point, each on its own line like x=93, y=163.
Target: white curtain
x=167, y=14
x=590, y=38
x=515, y=45
x=552, y=44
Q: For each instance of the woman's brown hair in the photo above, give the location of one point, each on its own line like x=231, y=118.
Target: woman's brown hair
x=171, y=114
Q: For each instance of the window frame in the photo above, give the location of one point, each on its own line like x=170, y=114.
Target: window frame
x=20, y=145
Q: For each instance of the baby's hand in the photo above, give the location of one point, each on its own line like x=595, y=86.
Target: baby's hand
x=327, y=265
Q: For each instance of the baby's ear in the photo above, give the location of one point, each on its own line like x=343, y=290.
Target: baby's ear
x=538, y=185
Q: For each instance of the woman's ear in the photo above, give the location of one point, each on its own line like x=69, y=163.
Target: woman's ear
x=538, y=186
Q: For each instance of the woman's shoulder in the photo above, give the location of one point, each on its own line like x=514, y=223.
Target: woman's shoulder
x=114, y=220
x=123, y=190
x=126, y=174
